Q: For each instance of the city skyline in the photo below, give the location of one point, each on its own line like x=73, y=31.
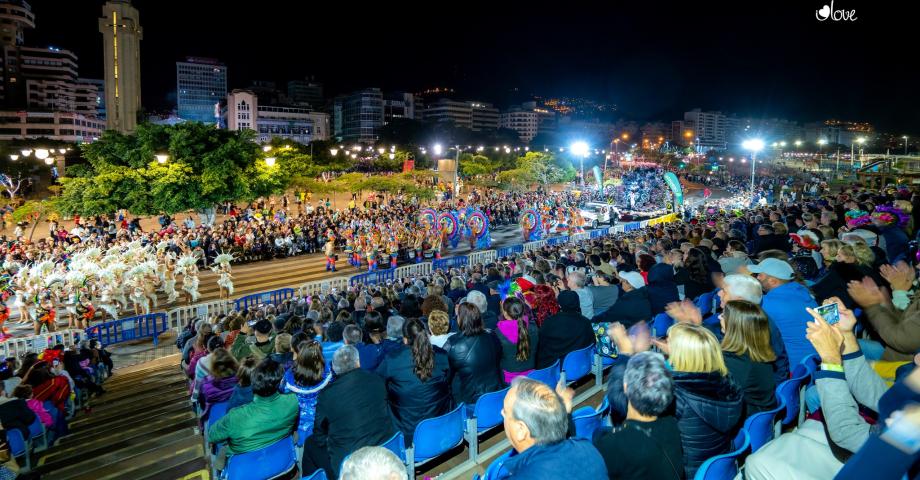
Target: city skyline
x=653, y=64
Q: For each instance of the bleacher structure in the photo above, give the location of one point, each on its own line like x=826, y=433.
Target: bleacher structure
x=144, y=426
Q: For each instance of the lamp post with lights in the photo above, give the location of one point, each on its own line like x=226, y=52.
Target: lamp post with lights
x=754, y=145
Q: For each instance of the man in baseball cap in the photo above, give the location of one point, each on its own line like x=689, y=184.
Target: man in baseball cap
x=785, y=303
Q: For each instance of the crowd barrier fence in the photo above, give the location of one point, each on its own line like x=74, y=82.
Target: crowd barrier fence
x=19, y=346
x=272, y=297
x=130, y=328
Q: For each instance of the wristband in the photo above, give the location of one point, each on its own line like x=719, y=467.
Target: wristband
x=832, y=367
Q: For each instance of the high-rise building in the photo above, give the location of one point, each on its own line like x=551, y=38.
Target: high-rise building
x=121, y=35
x=15, y=17
x=100, y=94
x=274, y=121
x=528, y=120
x=683, y=132
x=305, y=92
x=201, y=84
x=358, y=116
x=445, y=110
x=711, y=128
x=484, y=116
x=398, y=105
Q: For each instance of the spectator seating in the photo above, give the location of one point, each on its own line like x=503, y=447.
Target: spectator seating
x=434, y=437
x=549, y=375
x=725, y=466
x=494, y=471
x=587, y=420
x=576, y=365
x=660, y=324
x=317, y=475
x=487, y=414
x=269, y=462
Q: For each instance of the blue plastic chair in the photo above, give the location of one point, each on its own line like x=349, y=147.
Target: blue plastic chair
x=488, y=410
x=725, y=466
x=586, y=420
x=807, y=367
x=705, y=302
x=496, y=471
x=548, y=375
x=271, y=461
x=19, y=448
x=396, y=444
x=317, y=475
x=660, y=324
x=434, y=436
x=788, y=394
x=761, y=427
x=577, y=364
x=218, y=410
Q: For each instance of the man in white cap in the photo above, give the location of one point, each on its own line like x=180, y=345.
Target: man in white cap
x=785, y=303
x=632, y=306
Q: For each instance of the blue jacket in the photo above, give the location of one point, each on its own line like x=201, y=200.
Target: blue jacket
x=896, y=243
x=571, y=459
x=785, y=306
x=306, y=399
x=661, y=287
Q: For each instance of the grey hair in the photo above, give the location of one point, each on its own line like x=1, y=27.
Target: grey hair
x=479, y=299
x=743, y=287
x=648, y=383
x=352, y=334
x=343, y=304
x=373, y=463
x=395, y=326
x=541, y=410
x=345, y=360
x=578, y=278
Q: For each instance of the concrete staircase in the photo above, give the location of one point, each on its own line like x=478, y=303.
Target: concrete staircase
x=142, y=428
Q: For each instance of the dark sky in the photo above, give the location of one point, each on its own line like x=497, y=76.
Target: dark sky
x=653, y=59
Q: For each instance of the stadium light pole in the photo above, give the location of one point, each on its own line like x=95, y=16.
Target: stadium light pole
x=581, y=149
x=754, y=145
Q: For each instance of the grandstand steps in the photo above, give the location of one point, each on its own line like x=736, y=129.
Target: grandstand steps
x=142, y=428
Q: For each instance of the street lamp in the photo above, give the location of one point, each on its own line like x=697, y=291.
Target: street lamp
x=754, y=145
x=14, y=157
x=162, y=157
x=860, y=141
x=266, y=148
x=269, y=161
x=41, y=153
x=49, y=161
x=26, y=152
x=905, y=144
x=437, y=149
x=334, y=151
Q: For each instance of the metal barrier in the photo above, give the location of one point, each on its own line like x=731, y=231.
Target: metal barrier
x=273, y=297
x=506, y=251
x=319, y=287
x=452, y=262
x=532, y=246
x=20, y=346
x=131, y=328
x=179, y=317
x=600, y=233
x=414, y=270
x=481, y=258
x=371, y=278
x=578, y=237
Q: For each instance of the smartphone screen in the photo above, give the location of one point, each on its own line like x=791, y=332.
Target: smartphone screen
x=830, y=313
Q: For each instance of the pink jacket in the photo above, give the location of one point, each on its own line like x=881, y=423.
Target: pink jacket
x=39, y=410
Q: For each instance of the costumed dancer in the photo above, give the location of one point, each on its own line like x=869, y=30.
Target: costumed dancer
x=169, y=277
x=394, y=251
x=371, y=254
x=350, y=251
x=107, y=294
x=437, y=240
x=4, y=316
x=44, y=312
x=85, y=311
x=139, y=297
x=418, y=245
x=187, y=266
x=329, y=251
x=225, y=282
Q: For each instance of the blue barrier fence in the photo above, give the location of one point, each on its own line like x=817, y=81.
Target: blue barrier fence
x=505, y=251
x=452, y=262
x=598, y=233
x=631, y=226
x=371, y=278
x=131, y=328
x=273, y=297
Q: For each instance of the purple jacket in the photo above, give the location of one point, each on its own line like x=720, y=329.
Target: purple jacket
x=216, y=391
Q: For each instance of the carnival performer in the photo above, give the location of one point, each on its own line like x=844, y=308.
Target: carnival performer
x=4, y=316
x=437, y=241
x=418, y=244
x=349, y=251
x=85, y=311
x=329, y=251
x=139, y=297
x=107, y=295
x=189, y=268
x=394, y=251
x=169, y=277
x=371, y=254
x=222, y=267
x=44, y=312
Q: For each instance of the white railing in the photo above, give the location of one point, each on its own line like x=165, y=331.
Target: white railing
x=20, y=346
x=532, y=246
x=487, y=256
x=318, y=287
x=413, y=270
x=179, y=317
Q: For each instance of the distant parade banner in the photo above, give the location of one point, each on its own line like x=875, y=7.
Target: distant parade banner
x=674, y=185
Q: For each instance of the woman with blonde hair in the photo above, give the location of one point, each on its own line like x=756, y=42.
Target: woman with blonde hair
x=779, y=228
x=829, y=249
x=748, y=354
x=708, y=403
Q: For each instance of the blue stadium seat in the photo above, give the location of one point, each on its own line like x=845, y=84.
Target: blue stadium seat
x=788, y=394
x=660, y=324
x=218, y=410
x=317, y=475
x=37, y=438
x=586, y=420
x=397, y=445
x=725, y=466
x=548, y=375
x=486, y=415
x=271, y=461
x=19, y=448
x=705, y=302
x=761, y=427
x=577, y=364
x=435, y=436
x=806, y=367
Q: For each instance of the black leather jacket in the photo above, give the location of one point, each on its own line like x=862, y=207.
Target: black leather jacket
x=474, y=365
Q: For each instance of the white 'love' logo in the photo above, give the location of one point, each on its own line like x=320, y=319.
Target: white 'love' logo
x=828, y=12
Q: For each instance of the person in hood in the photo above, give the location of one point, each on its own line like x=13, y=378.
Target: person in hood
x=661, y=287
x=708, y=403
x=563, y=332
x=633, y=306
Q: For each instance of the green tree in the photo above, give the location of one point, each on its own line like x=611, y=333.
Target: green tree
x=35, y=211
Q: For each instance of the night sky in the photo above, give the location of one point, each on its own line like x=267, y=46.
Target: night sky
x=653, y=59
